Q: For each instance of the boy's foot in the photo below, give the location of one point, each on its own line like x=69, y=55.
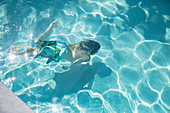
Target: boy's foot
x=55, y=21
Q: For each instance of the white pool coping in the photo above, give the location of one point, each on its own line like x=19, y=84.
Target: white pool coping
x=10, y=103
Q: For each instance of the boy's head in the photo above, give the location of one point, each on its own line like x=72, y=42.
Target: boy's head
x=90, y=46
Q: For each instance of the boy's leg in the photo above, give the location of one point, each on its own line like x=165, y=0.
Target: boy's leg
x=31, y=51
x=41, y=37
x=12, y=49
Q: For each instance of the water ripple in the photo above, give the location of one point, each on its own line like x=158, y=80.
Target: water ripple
x=129, y=74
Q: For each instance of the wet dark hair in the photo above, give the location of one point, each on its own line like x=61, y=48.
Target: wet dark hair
x=90, y=46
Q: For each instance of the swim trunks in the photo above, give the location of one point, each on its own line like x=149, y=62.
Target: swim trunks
x=53, y=50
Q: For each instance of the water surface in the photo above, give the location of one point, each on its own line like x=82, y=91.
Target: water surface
x=129, y=74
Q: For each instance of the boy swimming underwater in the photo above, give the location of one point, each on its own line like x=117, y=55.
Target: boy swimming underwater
x=56, y=51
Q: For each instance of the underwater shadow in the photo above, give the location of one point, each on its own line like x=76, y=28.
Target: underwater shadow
x=77, y=77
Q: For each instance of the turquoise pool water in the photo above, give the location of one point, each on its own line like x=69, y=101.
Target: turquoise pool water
x=130, y=74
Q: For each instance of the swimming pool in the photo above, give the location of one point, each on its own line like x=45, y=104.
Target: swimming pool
x=129, y=74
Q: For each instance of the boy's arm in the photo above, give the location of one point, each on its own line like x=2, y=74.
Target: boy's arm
x=80, y=60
